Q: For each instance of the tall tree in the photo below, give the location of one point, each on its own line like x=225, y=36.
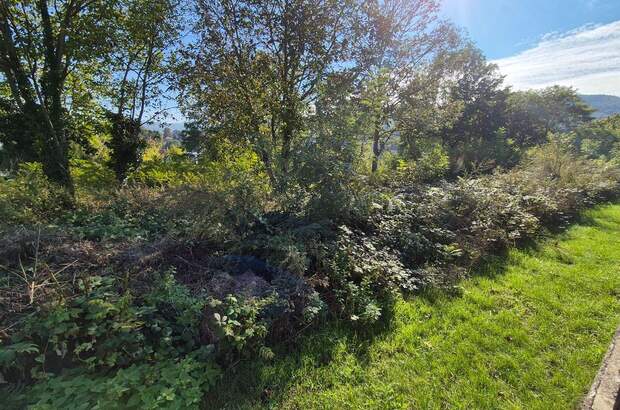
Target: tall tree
x=400, y=38
x=41, y=43
x=256, y=67
x=533, y=114
x=147, y=32
x=476, y=138
x=428, y=107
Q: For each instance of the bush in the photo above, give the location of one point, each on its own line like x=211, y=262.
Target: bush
x=134, y=216
x=92, y=179
x=29, y=197
x=214, y=200
x=96, y=327
x=360, y=279
x=555, y=184
x=432, y=165
x=164, y=168
x=167, y=384
x=235, y=325
x=120, y=350
x=236, y=169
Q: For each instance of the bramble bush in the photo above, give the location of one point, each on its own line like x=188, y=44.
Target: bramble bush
x=97, y=327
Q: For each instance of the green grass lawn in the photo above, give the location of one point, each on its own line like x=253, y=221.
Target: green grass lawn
x=528, y=331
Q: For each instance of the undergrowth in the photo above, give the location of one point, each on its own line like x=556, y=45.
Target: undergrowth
x=148, y=298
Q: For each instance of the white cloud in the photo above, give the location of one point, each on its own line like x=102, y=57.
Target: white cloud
x=587, y=59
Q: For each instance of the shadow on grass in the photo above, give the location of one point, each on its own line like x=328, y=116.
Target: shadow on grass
x=259, y=384
x=255, y=383
x=494, y=265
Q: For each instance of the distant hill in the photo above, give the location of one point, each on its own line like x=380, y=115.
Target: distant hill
x=605, y=105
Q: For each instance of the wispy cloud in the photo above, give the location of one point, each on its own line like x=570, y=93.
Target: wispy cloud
x=587, y=58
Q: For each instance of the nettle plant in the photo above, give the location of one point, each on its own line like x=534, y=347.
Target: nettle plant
x=96, y=328
x=99, y=328
x=167, y=384
x=236, y=324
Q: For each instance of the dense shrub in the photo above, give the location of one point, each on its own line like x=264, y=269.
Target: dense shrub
x=131, y=216
x=433, y=164
x=29, y=197
x=555, y=184
x=105, y=334
x=92, y=179
x=360, y=280
x=96, y=327
x=215, y=200
x=234, y=169
x=143, y=350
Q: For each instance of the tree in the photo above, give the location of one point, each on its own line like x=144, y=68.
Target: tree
x=126, y=144
x=401, y=38
x=17, y=142
x=477, y=137
x=141, y=74
x=597, y=139
x=254, y=72
x=564, y=109
x=41, y=44
x=429, y=108
x=525, y=118
x=192, y=138
x=534, y=114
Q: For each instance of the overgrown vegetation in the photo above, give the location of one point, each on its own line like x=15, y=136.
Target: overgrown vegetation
x=528, y=329
x=336, y=156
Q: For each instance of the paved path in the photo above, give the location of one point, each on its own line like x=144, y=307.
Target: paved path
x=605, y=391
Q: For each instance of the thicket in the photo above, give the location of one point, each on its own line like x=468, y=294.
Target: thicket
x=186, y=291
x=321, y=174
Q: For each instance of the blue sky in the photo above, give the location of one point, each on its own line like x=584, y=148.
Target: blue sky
x=537, y=43
x=502, y=28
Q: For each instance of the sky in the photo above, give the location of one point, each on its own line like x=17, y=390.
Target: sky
x=537, y=43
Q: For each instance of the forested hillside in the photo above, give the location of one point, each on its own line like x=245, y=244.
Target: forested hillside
x=336, y=155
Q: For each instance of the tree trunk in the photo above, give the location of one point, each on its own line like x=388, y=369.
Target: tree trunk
x=42, y=105
x=56, y=159
x=289, y=126
x=288, y=120
x=56, y=154
x=376, y=149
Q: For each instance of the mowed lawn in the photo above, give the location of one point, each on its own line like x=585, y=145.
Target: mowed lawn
x=527, y=332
